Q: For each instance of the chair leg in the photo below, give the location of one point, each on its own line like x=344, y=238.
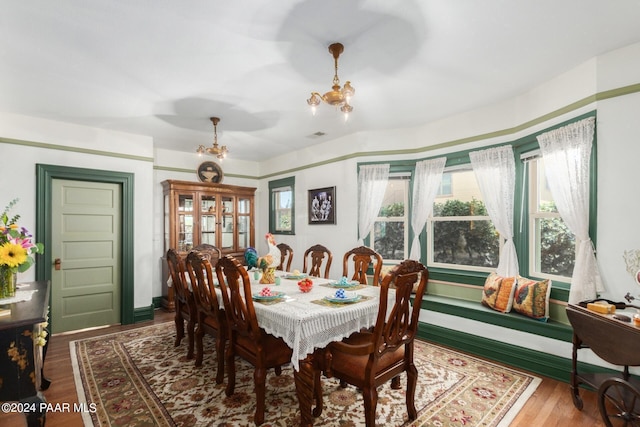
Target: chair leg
x=231, y=370
x=220, y=342
x=199, y=347
x=278, y=370
x=412, y=380
x=395, y=383
x=179, y=327
x=191, y=325
x=259, y=378
x=343, y=384
x=370, y=396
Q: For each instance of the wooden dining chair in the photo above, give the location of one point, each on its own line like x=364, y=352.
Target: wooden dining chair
x=246, y=339
x=286, y=256
x=185, y=307
x=362, y=258
x=313, y=259
x=369, y=358
x=211, y=252
x=210, y=318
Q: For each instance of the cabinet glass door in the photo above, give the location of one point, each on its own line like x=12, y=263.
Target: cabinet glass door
x=244, y=223
x=208, y=220
x=228, y=229
x=185, y=223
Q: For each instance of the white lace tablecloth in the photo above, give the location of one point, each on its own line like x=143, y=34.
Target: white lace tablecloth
x=304, y=325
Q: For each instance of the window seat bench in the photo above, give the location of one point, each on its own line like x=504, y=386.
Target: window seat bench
x=539, y=362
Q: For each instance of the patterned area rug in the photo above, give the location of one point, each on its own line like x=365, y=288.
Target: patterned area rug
x=138, y=378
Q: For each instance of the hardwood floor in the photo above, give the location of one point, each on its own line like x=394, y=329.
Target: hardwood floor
x=551, y=404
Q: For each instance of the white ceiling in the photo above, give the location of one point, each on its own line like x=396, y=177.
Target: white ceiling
x=162, y=68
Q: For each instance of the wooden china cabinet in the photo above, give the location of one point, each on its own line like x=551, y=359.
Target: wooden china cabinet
x=201, y=212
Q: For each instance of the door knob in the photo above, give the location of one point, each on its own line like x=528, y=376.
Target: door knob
x=56, y=263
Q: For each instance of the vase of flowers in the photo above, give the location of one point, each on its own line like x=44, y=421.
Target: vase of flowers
x=16, y=251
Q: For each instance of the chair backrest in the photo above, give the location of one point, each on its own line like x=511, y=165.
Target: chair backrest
x=313, y=258
x=177, y=274
x=362, y=258
x=236, y=295
x=286, y=256
x=212, y=253
x=202, y=283
x=400, y=326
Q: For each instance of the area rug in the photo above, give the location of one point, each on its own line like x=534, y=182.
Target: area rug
x=138, y=378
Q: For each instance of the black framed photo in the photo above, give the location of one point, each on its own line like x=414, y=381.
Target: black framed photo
x=210, y=172
x=322, y=206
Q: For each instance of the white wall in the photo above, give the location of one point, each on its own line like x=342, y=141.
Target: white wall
x=19, y=178
x=618, y=142
x=618, y=130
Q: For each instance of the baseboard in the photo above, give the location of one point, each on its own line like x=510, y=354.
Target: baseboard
x=544, y=364
x=157, y=302
x=143, y=314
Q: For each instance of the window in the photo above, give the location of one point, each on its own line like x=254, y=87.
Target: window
x=389, y=236
x=460, y=233
x=551, y=245
x=445, y=185
x=281, y=206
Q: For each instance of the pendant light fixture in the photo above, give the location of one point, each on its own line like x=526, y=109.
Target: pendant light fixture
x=337, y=96
x=219, y=151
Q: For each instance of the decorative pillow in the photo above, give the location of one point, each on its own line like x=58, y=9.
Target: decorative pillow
x=504, y=300
x=491, y=289
x=498, y=292
x=532, y=298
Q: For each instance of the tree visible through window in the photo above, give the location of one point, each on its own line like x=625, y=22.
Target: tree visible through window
x=461, y=233
x=552, y=244
x=281, y=206
x=389, y=236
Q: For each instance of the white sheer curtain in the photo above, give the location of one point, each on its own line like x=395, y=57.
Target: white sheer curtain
x=495, y=172
x=567, y=152
x=425, y=187
x=372, y=184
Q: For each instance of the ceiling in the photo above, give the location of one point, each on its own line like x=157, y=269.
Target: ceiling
x=162, y=68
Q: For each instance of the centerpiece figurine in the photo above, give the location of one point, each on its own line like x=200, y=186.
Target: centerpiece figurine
x=267, y=263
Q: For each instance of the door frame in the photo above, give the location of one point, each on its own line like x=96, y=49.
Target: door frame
x=45, y=174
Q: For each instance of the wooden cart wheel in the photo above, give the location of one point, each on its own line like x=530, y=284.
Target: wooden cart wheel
x=619, y=403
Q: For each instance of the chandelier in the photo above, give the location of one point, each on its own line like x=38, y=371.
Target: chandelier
x=215, y=149
x=337, y=97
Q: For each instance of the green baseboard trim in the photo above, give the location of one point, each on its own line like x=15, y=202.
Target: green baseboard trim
x=142, y=314
x=476, y=311
x=536, y=362
x=157, y=302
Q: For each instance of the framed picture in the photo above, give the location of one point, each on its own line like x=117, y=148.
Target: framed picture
x=210, y=172
x=322, y=206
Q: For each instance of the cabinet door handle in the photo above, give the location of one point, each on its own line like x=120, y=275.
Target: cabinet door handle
x=57, y=263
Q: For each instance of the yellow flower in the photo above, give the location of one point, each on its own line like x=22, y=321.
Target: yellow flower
x=12, y=255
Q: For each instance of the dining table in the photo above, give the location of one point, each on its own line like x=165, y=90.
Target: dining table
x=309, y=321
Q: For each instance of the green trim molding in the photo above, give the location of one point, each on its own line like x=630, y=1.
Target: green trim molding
x=81, y=150
x=548, y=365
x=143, y=314
x=45, y=174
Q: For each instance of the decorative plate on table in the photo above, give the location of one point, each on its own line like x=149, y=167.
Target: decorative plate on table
x=349, y=297
x=296, y=276
x=273, y=296
x=341, y=284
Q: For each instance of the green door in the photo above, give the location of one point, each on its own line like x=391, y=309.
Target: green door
x=86, y=249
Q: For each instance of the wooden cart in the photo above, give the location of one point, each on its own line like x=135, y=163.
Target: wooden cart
x=616, y=342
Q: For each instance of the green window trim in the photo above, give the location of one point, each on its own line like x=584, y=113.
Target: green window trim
x=274, y=186
x=560, y=290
